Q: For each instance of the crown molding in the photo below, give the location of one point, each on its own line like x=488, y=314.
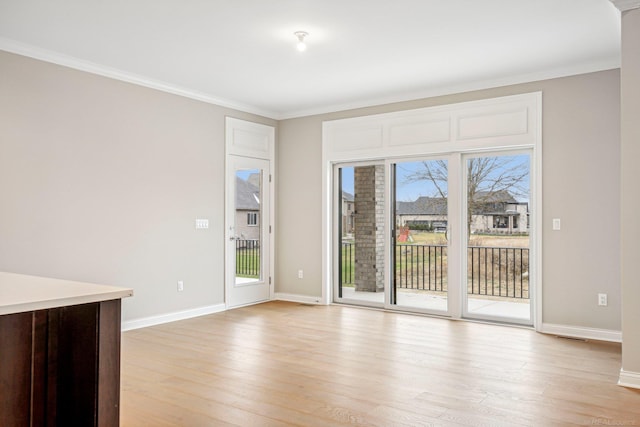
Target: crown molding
x=626, y=4
x=30, y=51
x=45, y=55
x=590, y=67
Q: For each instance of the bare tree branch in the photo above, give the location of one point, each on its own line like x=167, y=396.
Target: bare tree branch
x=487, y=178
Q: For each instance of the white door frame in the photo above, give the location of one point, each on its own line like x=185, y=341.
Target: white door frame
x=464, y=238
x=505, y=123
x=246, y=139
x=453, y=294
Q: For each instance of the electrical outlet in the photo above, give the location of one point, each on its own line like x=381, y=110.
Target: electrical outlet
x=300, y=274
x=180, y=286
x=602, y=300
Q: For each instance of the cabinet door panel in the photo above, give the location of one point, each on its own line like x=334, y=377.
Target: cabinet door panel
x=77, y=364
x=15, y=369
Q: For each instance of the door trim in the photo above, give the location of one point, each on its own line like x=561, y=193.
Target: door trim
x=510, y=122
x=253, y=140
x=534, y=258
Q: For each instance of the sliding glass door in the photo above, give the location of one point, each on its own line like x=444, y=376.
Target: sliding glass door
x=393, y=235
x=361, y=234
x=497, y=235
x=447, y=235
x=420, y=243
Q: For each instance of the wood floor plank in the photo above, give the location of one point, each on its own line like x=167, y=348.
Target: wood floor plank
x=279, y=364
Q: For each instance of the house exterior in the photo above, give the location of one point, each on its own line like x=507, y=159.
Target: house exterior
x=248, y=207
x=492, y=213
x=499, y=213
x=348, y=212
x=425, y=213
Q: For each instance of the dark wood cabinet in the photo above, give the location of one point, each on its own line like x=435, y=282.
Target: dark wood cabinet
x=61, y=366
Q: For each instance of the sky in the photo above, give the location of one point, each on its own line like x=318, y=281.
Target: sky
x=244, y=174
x=405, y=191
x=408, y=191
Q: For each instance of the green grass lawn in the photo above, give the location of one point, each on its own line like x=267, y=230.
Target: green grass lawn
x=248, y=263
x=430, y=238
x=403, y=263
x=415, y=266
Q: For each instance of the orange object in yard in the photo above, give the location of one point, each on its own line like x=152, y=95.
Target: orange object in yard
x=403, y=235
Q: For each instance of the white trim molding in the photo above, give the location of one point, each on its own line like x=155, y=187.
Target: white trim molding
x=250, y=145
x=624, y=5
x=629, y=379
x=34, y=52
x=302, y=299
x=505, y=124
x=46, y=55
x=581, y=332
x=171, y=317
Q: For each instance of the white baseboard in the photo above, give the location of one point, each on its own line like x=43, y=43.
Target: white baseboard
x=629, y=379
x=582, y=332
x=303, y=299
x=171, y=317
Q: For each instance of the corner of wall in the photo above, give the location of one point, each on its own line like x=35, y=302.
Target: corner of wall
x=581, y=332
x=629, y=379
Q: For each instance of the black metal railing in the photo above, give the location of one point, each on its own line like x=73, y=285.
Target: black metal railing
x=422, y=267
x=348, y=260
x=491, y=271
x=502, y=272
x=248, y=258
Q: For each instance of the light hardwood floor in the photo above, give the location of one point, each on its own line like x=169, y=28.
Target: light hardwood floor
x=280, y=363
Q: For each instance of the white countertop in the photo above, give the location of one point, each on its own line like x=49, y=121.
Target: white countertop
x=20, y=293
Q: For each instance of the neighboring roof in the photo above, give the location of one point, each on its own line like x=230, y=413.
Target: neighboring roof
x=438, y=205
x=347, y=196
x=254, y=179
x=423, y=206
x=501, y=196
x=247, y=195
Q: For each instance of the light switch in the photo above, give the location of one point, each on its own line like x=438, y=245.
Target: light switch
x=202, y=223
x=556, y=223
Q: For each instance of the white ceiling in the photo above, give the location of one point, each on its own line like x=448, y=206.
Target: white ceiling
x=241, y=53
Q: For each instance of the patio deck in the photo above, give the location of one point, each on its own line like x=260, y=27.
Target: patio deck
x=518, y=309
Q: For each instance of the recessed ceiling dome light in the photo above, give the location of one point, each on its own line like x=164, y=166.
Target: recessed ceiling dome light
x=301, y=46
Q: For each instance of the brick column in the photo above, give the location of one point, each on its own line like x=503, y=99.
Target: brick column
x=369, y=228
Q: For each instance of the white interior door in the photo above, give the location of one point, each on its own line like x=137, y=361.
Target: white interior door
x=248, y=231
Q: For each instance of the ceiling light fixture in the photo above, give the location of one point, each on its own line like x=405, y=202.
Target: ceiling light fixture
x=301, y=46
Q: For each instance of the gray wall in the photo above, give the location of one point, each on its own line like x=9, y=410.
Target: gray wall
x=102, y=181
x=581, y=183
x=630, y=85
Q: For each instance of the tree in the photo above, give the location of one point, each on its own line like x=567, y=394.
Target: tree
x=488, y=179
